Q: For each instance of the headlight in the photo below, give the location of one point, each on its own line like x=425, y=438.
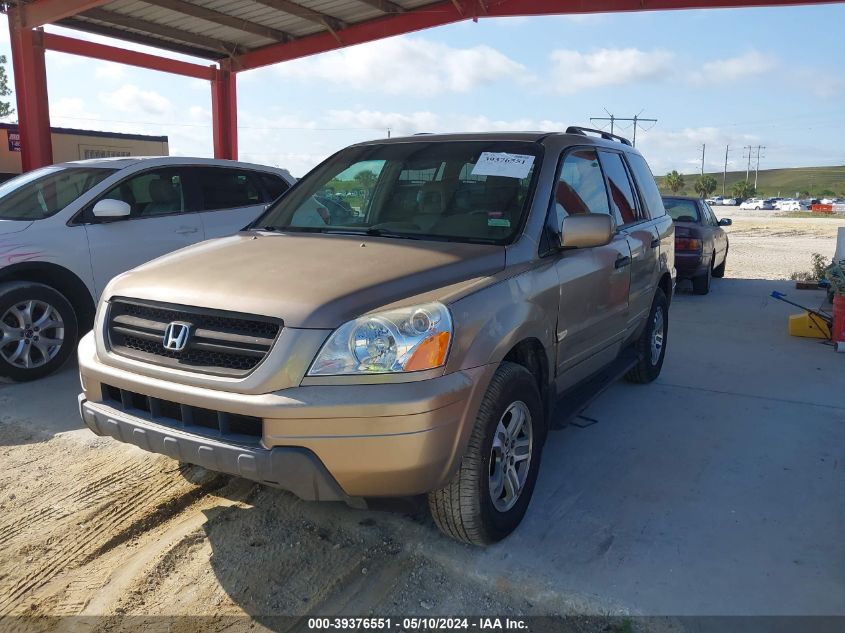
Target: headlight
x=402, y=340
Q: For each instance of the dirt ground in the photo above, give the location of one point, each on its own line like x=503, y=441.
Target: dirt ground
x=771, y=247
x=89, y=526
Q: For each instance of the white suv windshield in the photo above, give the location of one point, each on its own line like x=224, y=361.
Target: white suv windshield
x=467, y=191
x=41, y=193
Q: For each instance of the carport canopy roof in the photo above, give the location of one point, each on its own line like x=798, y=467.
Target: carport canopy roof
x=253, y=33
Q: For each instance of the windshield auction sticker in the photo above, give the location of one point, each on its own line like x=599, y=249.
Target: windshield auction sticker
x=503, y=164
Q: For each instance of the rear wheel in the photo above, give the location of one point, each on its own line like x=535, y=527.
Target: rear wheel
x=701, y=284
x=651, y=346
x=488, y=496
x=719, y=271
x=38, y=330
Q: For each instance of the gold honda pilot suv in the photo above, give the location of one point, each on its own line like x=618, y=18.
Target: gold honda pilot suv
x=412, y=317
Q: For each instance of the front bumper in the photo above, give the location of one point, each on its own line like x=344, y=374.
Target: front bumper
x=295, y=469
x=320, y=442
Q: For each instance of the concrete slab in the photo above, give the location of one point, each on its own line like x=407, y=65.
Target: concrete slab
x=719, y=489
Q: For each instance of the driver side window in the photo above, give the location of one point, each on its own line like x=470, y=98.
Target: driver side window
x=151, y=193
x=580, y=188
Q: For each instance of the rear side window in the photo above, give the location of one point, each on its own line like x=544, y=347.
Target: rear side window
x=619, y=185
x=648, y=188
x=222, y=188
x=580, y=187
x=274, y=186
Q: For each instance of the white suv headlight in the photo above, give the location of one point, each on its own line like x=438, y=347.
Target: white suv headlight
x=394, y=341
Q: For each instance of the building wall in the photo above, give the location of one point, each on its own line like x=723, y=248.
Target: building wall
x=76, y=146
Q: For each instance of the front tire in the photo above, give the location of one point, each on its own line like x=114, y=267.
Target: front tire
x=651, y=346
x=488, y=496
x=38, y=330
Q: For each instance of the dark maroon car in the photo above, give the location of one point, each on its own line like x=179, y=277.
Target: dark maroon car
x=701, y=246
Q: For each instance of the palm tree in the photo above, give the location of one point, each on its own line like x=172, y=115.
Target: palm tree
x=674, y=181
x=705, y=186
x=743, y=190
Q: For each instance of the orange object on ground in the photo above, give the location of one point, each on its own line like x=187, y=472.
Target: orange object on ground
x=839, y=318
x=822, y=208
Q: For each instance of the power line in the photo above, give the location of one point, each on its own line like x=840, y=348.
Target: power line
x=636, y=120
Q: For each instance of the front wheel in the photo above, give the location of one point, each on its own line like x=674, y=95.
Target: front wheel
x=488, y=496
x=38, y=330
x=651, y=346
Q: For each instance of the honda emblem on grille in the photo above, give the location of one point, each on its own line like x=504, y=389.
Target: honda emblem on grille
x=176, y=336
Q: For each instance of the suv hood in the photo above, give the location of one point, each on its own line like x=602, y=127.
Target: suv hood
x=13, y=226
x=309, y=281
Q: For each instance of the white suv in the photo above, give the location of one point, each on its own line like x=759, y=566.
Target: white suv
x=67, y=229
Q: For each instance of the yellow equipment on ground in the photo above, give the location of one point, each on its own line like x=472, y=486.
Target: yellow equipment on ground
x=809, y=326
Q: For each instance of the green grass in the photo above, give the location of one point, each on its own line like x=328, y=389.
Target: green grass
x=779, y=182
x=810, y=214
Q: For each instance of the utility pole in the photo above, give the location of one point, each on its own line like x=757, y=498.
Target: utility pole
x=757, y=166
x=725, y=173
x=613, y=119
x=748, y=168
x=702, y=158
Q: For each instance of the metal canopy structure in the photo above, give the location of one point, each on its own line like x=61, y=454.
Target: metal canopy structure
x=239, y=35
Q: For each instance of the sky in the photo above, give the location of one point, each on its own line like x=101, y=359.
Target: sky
x=740, y=77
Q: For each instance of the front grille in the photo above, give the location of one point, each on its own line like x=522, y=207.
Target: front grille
x=221, y=343
x=238, y=429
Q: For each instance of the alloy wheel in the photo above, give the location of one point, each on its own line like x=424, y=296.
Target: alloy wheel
x=510, y=456
x=31, y=334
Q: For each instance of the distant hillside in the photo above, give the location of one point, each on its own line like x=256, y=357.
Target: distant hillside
x=779, y=182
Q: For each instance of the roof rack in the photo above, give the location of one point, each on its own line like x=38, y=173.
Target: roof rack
x=577, y=129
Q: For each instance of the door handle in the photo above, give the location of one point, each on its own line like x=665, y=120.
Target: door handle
x=655, y=242
x=621, y=262
x=186, y=230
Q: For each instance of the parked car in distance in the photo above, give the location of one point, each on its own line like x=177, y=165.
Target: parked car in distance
x=792, y=205
x=425, y=348
x=701, y=245
x=66, y=230
x=757, y=204
x=729, y=202
x=715, y=200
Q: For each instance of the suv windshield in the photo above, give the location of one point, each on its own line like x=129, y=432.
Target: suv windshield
x=41, y=193
x=466, y=191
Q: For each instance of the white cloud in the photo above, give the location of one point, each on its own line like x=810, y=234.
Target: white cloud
x=406, y=124
x=573, y=71
x=681, y=149
x=407, y=65
x=110, y=71
x=732, y=69
x=129, y=98
x=72, y=112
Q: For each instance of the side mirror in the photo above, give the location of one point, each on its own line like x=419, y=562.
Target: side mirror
x=725, y=222
x=586, y=231
x=110, y=208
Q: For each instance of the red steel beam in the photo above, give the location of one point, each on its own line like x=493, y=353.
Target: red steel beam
x=42, y=12
x=446, y=12
x=224, y=112
x=31, y=94
x=72, y=46
x=512, y=8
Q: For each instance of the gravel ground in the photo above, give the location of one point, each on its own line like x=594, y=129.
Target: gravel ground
x=772, y=247
x=89, y=526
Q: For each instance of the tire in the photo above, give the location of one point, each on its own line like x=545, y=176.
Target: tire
x=25, y=308
x=465, y=509
x=649, y=365
x=701, y=284
x=719, y=271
